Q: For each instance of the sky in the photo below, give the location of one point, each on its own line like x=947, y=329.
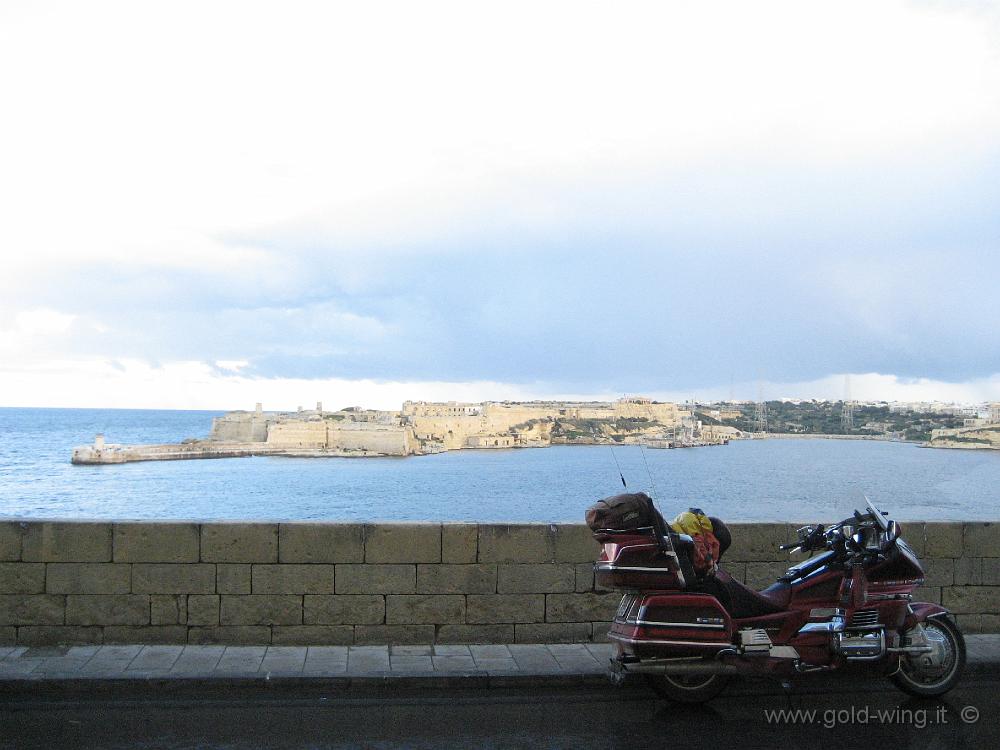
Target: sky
x=205, y=205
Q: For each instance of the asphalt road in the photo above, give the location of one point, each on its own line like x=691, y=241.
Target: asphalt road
x=847, y=714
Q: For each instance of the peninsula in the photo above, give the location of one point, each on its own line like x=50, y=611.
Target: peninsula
x=421, y=428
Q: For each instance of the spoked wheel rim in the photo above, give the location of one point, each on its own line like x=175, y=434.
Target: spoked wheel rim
x=937, y=667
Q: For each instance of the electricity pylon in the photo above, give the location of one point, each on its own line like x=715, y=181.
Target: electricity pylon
x=847, y=410
x=759, y=424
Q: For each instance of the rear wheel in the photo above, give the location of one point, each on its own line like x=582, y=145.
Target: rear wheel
x=937, y=672
x=687, y=688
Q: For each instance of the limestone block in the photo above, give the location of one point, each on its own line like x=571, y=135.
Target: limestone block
x=499, y=608
x=475, y=634
x=376, y=579
x=312, y=635
x=991, y=571
x=57, y=635
x=321, y=543
x=22, y=578
x=585, y=577
x=260, y=609
x=8, y=635
x=599, y=632
x=760, y=575
x=516, y=543
x=758, y=542
x=737, y=570
x=149, y=634
x=344, y=609
x=476, y=578
x=914, y=533
x=930, y=594
x=581, y=607
x=239, y=542
x=540, y=578
x=940, y=539
x=173, y=578
x=981, y=539
x=231, y=635
x=203, y=609
x=575, y=543
x=939, y=571
x=107, y=609
x=10, y=539
x=969, y=624
x=161, y=542
x=65, y=541
x=990, y=623
x=292, y=579
x=88, y=578
x=372, y=635
x=167, y=609
x=31, y=609
x=419, y=609
x=550, y=632
x=403, y=543
x=969, y=571
x=972, y=599
x=232, y=578
x=459, y=542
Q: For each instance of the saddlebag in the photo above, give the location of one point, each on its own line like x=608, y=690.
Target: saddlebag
x=636, y=559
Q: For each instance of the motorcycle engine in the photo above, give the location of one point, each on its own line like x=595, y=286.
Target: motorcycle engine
x=860, y=645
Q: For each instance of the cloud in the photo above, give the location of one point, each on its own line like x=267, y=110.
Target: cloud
x=199, y=385
x=646, y=200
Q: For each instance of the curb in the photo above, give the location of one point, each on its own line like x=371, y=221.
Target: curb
x=373, y=684
x=368, y=685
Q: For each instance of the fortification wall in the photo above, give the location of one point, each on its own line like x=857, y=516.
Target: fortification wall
x=393, y=442
x=331, y=583
x=298, y=434
x=240, y=427
x=452, y=431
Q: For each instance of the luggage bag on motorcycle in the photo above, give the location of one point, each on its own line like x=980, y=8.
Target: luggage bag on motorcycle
x=634, y=510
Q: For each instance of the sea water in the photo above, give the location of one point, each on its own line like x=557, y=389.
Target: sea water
x=758, y=480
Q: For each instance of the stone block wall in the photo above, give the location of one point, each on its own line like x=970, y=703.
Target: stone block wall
x=330, y=583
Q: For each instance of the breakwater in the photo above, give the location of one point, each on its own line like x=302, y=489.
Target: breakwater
x=335, y=583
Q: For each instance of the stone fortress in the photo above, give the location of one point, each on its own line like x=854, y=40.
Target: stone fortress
x=422, y=427
x=980, y=431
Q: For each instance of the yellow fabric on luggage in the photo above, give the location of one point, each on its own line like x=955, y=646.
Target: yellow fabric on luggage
x=691, y=523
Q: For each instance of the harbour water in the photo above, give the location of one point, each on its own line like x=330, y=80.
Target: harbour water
x=761, y=480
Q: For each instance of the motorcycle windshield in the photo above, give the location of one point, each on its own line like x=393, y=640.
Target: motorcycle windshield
x=880, y=518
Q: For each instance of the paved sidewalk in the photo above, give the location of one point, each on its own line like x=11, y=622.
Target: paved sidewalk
x=21, y=667
x=23, y=664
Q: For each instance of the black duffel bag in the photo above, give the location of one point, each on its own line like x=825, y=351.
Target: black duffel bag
x=634, y=510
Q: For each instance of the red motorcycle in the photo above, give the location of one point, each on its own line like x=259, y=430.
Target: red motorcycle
x=688, y=634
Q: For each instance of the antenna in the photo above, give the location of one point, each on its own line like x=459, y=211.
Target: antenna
x=618, y=465
x=652, y=485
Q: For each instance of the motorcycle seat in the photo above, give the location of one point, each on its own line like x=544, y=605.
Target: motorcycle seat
x=742, y=601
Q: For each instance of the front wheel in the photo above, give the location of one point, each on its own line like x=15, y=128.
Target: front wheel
x=936, y=672
x=687, y=688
